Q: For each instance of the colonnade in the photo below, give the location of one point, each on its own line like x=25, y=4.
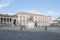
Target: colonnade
x=6, y=21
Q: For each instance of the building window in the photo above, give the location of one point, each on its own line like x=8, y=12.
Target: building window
x=1, y=19
x=7, y=19
x=4, y=19
x=10, y=20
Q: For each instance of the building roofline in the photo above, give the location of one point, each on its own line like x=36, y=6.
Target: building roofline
x=7, y=15
x=30, y=13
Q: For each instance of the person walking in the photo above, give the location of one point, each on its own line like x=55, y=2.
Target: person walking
x=45, y=28
x=21, y=27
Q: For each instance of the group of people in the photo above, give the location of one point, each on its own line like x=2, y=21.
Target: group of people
x=22, y=27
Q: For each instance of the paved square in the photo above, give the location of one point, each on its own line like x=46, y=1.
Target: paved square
x=23, y=35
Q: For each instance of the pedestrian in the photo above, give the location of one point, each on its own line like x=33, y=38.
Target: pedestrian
x=21, y=27
x=45, y=28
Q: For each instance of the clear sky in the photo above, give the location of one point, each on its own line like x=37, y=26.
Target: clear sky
x=48, y=7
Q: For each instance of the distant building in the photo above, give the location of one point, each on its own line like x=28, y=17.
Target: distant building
x=58, y=19
x=24, y=18
x=56, y=22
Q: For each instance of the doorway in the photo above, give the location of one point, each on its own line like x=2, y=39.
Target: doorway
x=14, y=22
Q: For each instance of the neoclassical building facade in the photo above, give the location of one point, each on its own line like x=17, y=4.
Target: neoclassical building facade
x=7, y=20
x=38, y=19
x=23, y=18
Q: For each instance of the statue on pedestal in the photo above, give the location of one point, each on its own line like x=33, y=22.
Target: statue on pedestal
x=30, y=22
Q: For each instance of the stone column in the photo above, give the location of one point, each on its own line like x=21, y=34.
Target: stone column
x=6, y=21
x=0, y=21
x=9, y=21
x=12, y=22
x=3, y=21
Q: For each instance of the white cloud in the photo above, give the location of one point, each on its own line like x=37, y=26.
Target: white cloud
x=9, y=13
x=5, y=3
x=53, y=14
x=32, y=11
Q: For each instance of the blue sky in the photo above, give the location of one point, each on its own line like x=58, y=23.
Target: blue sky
x=48, y=7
